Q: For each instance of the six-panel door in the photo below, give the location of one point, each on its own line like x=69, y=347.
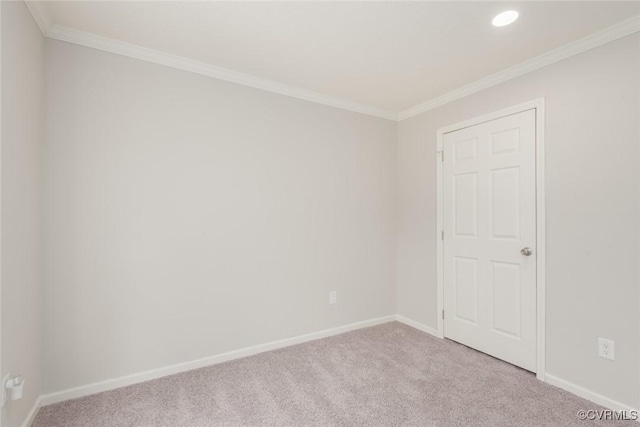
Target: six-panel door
x=489, y=222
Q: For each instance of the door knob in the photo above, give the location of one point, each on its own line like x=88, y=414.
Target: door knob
x=526, y=251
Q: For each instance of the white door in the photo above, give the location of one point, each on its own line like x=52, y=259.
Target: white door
x=490, y=238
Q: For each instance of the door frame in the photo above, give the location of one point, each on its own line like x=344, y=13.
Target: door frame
x=539, y=106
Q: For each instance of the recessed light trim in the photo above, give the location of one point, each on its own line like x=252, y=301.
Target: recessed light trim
x=505, y=18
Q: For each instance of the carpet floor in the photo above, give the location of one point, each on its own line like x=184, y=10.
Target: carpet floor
x=387, y=375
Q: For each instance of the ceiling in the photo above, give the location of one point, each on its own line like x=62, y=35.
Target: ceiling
x=388, y=55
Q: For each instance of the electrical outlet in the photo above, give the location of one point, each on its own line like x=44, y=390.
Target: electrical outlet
x=606, y=349
x=333, y=297
x=4, y=389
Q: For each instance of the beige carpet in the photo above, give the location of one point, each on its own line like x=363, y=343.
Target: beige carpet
x=386, y=375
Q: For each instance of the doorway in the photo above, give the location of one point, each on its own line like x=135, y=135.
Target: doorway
x=491, y=229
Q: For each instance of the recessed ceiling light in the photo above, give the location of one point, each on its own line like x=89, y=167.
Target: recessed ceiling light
x=505, y=18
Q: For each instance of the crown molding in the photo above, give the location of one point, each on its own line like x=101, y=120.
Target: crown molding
x=40, y=14
x=609, y=34
x=150, y=55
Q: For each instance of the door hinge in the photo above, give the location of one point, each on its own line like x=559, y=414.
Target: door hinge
x=442, y=235
x=442, y=314
x=442, y=155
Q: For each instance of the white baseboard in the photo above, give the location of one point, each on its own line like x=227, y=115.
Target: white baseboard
x=549, y=378
x=31, y=416
x=86, y=390
x=587, y=394
x=419, y=326
x=124, y=381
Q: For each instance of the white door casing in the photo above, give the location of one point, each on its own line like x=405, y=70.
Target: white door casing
x=489, y=190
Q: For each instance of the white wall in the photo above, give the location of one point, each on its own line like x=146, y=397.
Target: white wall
x=185, y=216
x=593, y=179
x=22, y=86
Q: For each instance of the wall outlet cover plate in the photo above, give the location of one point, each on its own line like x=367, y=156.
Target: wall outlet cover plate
x=606, y=349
